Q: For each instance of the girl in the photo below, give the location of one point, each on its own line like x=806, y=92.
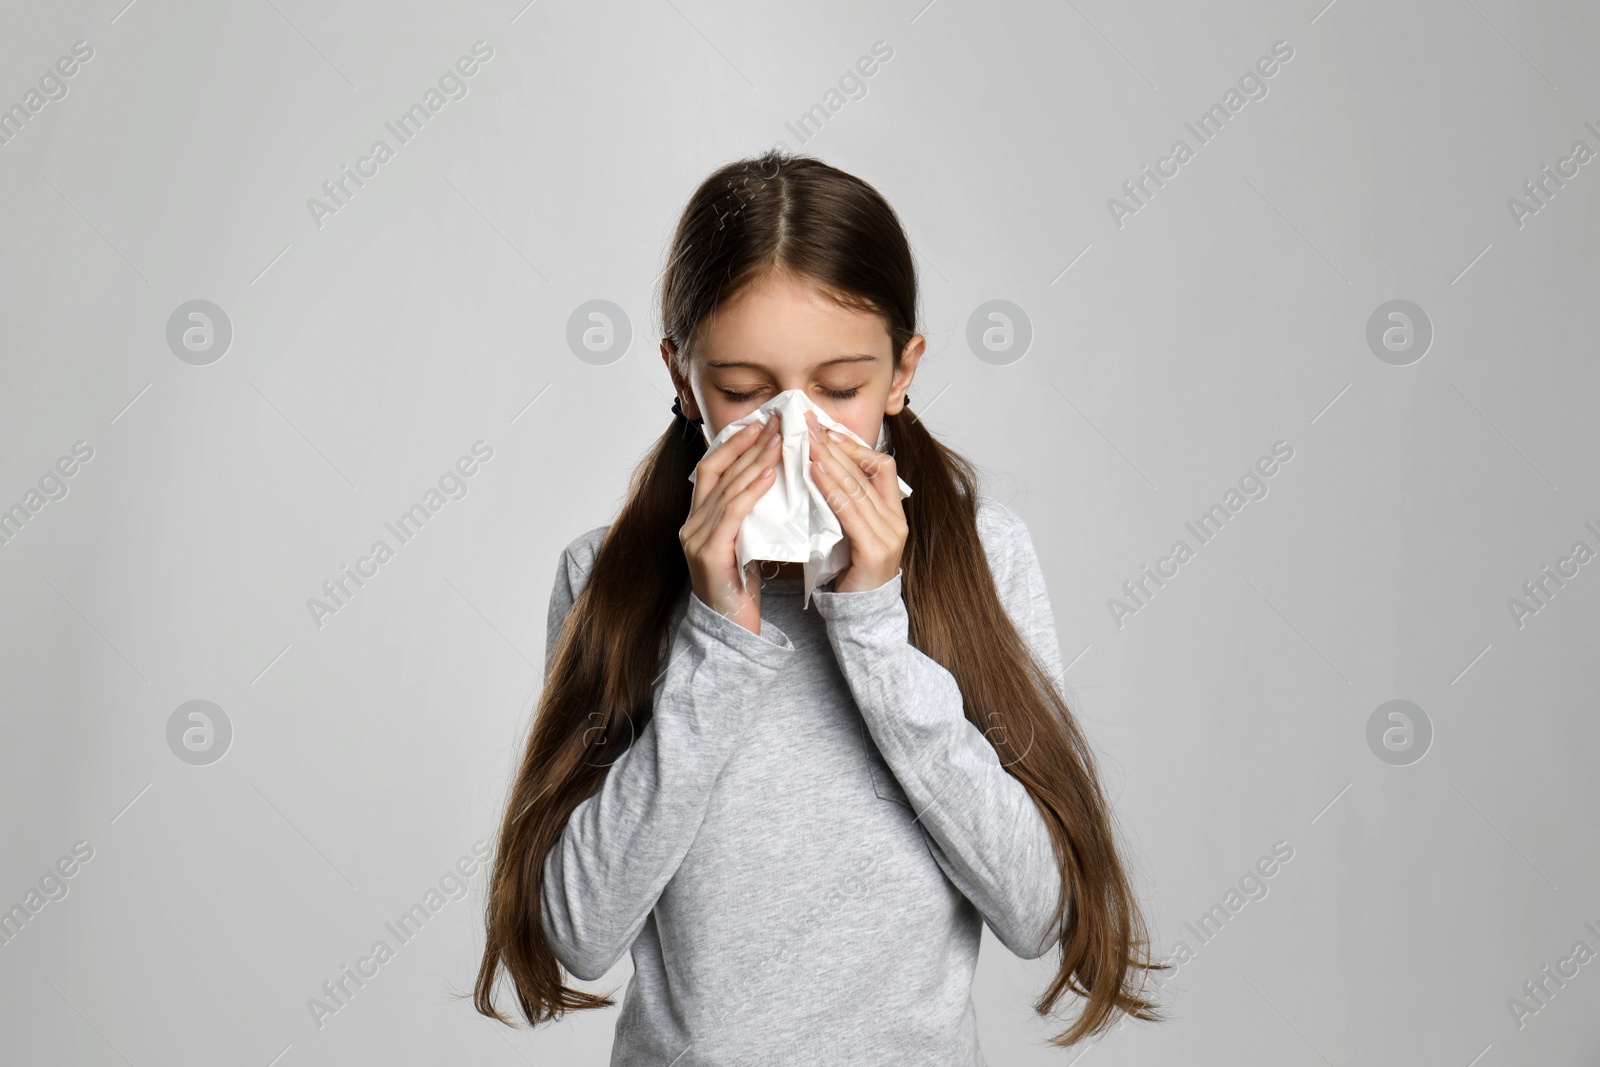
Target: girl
x=799, y=817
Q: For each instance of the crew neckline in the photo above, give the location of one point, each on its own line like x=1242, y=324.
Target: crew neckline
x=783, y=586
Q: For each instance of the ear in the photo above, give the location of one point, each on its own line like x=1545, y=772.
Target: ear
x=901, y=383
x=680, y=384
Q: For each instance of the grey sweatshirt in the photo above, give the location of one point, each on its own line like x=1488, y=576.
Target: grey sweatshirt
x=802, y=845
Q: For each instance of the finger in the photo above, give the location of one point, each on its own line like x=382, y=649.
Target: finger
x=877, y=468
x=727, y=461
x=761, y=452
x=741, y=500
x=867, y=542
x=861, y=515
x=737, y=452
x=848, y=477
x=710, y=533
x=742, y=487
x=730, y=512
x=712, y=466
x=751, y=472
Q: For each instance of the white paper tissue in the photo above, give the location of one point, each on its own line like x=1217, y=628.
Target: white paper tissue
x=792, y=521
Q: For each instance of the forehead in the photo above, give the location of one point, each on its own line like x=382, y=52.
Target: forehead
x=783, y=322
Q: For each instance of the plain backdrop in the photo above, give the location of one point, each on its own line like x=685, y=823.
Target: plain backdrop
x=1145, y=358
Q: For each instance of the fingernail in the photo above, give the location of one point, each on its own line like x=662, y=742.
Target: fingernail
x=772, y=442
x=836, y=435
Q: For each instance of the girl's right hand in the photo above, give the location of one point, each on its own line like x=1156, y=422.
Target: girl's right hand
x=728, y=482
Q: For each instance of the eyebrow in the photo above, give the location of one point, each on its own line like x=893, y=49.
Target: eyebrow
x=720, y=363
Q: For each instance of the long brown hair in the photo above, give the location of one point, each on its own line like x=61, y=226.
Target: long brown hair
x=749, y=218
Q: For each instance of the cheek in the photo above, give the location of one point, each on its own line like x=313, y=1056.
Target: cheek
x=718, y=411
x=862, y=413
x=864, y=424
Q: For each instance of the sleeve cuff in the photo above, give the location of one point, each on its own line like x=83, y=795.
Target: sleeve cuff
x=770, y=648
x=862, y=605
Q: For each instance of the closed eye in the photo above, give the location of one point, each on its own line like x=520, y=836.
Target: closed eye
x=837, y=394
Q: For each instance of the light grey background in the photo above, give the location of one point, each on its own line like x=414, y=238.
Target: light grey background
x=430, y=312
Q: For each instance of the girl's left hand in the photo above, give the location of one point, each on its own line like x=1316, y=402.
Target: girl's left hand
x=862, y=487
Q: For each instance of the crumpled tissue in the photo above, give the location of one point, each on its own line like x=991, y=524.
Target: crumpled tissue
x=792, y=521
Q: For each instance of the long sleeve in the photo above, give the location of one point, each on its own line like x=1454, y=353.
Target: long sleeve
x=985, y=831
x=622, y=845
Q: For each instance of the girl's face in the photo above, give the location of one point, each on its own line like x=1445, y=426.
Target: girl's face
x=782, y=333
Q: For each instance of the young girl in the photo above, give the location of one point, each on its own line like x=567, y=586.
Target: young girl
x=799, y=817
